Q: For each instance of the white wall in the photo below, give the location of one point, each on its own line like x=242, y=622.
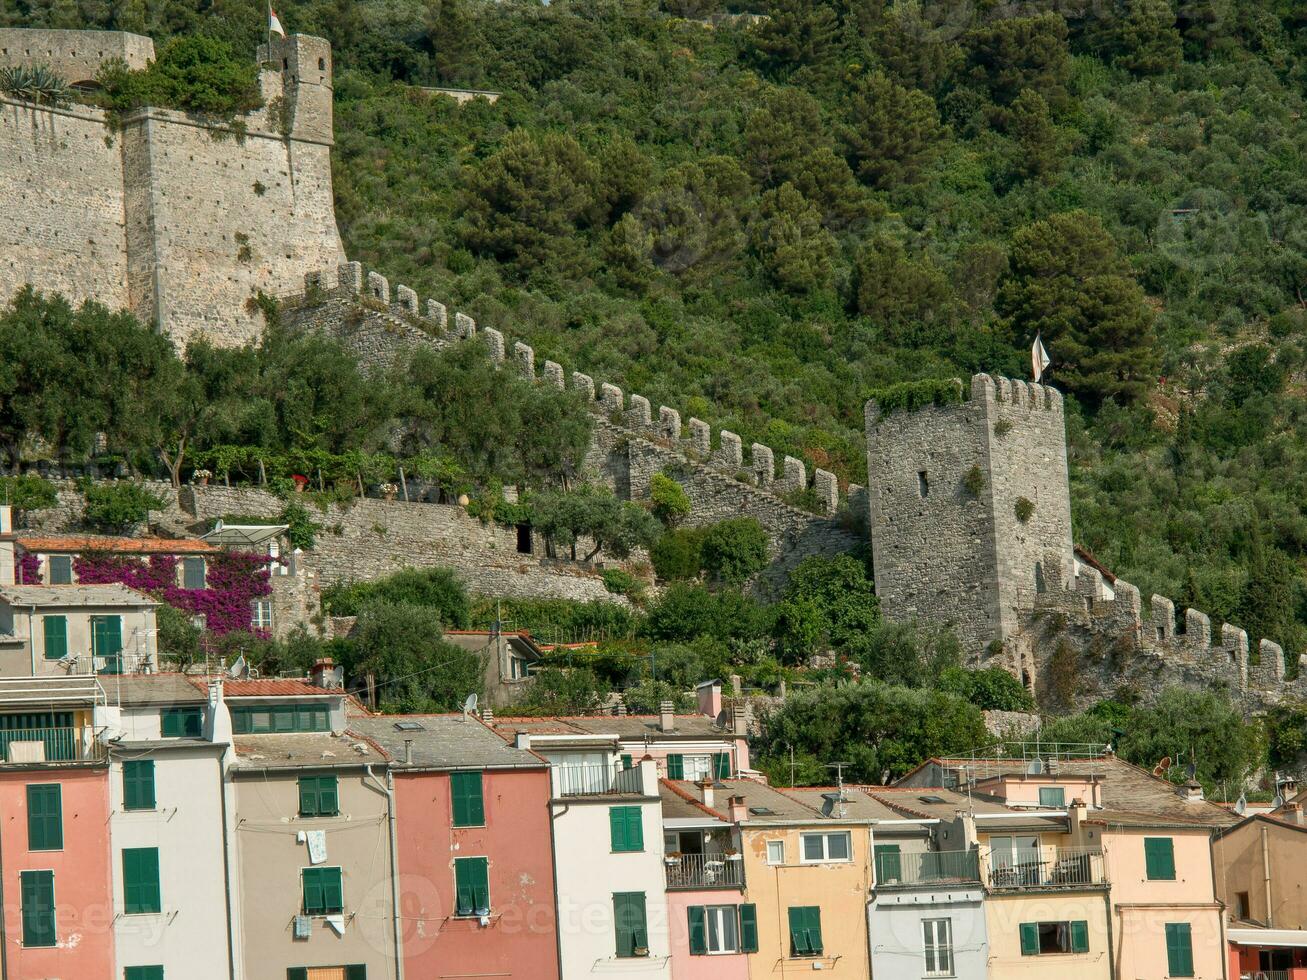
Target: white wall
x=588, y=874
x=189, y=937
x=894, y=921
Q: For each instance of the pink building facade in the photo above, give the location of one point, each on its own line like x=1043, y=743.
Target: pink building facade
x=688, y=965
x=54, y=848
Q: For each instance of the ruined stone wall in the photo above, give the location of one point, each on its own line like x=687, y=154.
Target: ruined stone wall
x=179, y=219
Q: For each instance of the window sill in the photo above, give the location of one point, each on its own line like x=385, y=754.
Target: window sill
x=323, y=914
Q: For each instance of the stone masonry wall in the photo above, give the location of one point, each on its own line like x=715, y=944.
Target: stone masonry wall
x=179, y=219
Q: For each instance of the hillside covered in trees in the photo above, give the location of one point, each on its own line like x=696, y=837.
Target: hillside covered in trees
x=762, y=221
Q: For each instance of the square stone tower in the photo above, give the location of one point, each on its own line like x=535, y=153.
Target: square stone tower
x=970, y=507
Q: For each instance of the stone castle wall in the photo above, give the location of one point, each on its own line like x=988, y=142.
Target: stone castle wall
x=179, y=219
x=631, y=443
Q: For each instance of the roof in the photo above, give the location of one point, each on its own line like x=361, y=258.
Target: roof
x=477, y=640
x=1132, y=797
x=104, y=542
x=1268, y=818
x=141, y=689
x=766, y=804
x=698, y=727
x=858, y=804
x=273, y=688
x=1087, y=556
x=111, y=594
x=306, y=750
x=681, y=801
x=930, y=804
x=246, y=534
x=449, y=741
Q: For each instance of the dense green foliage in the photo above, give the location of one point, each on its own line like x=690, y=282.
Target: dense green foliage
x=118, y=507
x=198, y=74
x=438, y=589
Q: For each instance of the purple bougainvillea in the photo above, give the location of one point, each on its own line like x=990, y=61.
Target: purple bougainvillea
x=233, y=580
x=29, y=569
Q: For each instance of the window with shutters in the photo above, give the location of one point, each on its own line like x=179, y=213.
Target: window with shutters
x=1046, y=938
x=323, y=891
x=45, y=818
x=626, y=828
x=889, y=862
x=261, y=614
x=192, y=573
x=181, y=722
x=629, y=925
x=825, y=847
x=675, y=765
x=721, y=929
x=141, y=881
x=469, y=803
x=1159, y=858
x=138, y=784
x=61, y=569
x=1179, y=949
x=143, y=973
x=107, y=644
x=697, y=767
x=805, y=930
x=1052, y=796
x=37, y=896
x=357, y=971
x=56, y=636
x=471, y=886
x=319, y=796
x=264, y=719
x=721, y=765
x=937, y=946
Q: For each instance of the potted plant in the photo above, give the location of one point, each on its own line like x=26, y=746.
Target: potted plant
x=301, y=481
x=202, y=477
x=388, y=491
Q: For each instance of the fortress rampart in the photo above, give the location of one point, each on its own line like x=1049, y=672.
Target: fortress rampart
x=180, y=219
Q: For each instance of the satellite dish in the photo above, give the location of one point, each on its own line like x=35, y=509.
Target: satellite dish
x=470, y=705
x=1036, y=767
x=1241, y=805
x=1161, y=768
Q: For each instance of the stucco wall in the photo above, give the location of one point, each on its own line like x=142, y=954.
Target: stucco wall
x=84, y=902
x=269, y=861
x=894, y=920
x=138, y=639
x=839, y=889
x=1241, y=867
x=189, y=938
x=1003, y=917
x=719, y=966
x=588, y=873
x=520, y=940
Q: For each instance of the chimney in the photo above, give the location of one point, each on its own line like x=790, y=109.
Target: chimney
x=666, y=718
x=736, y=687
x=408, y=752
x=521, y=740
x=8, y=561
x=710, y=698
x=621, y=709
x=1192, y=791
x=488, y=715
x=1292, y=813
x=1077, y=812
x=739, y=810
x=323, y=674
x=706, y=792
x=739, y=718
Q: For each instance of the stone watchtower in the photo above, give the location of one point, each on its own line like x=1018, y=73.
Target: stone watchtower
x=970, y=507
x=305, y=83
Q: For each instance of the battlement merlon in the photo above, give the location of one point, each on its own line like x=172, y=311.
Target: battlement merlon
x=989, y=391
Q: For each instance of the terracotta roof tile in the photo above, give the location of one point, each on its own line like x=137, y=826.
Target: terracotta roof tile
x=271, y=688
x=100, y=542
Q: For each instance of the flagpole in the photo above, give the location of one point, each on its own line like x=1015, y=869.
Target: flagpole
x=269, y=22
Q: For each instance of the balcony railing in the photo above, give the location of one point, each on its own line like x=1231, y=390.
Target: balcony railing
x=605, y=780
x=704, y=871
x=942, y=868
x=1046, y=868
x=45, y=745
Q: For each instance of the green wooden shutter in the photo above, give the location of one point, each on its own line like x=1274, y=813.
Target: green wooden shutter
x=676, y=766
x=1179, y=950
x=889, y=862
x=698, y=930
x=748, y=928
x=357, y=971
x=56, y=636
x=471, y=885
x=805, y=930
x=141, y=880
x=814, y=930
x=469, y=804
x=38, y=908
x=138, y=784
x=333, y=891
x=626, y=829
x=629, y=922
x=628, y=762
x=107, y=642
x=1030, y=939
x=297, y=973
x=308, y=796
x=143, y=973
x=313, y=903
x=1159, y=858
x=721, y=765
x=328, y=796
x=45, y=821
x=1080, y=936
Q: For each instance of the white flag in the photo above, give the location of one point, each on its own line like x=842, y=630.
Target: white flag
x=274, y=25
x=1039, y=360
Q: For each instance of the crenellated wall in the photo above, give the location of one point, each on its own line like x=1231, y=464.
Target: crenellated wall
x=377, y=321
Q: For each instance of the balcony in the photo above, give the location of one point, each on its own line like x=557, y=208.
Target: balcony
x=1046, y=868
x=929, y=870
x=44, y=746
x=596, y=780
x=711, y=870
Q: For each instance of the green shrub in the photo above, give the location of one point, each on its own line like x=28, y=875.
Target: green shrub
x=677, y=556
x=990, y=689
x=908, y=396
x=194, y=73
x=974, y=481
x=670, y=503
x=27, y=493
x=1024, y=508
x=620, y=582
x=436, y=589
x=734, y=550
x=35, y=83
x=114, y=508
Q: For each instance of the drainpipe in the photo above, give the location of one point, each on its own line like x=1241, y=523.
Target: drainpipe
x=553, y=853
x=4, y=931
x=226, y=870
x=31, y=639
x=388, y=788
x=1111, y=956
x=1266, y=879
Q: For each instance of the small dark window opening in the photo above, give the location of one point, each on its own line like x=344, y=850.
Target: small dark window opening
x=1039, y=577
x=524, y=539
x=1161, y=632
x=923, y=484
x=1242, y=903
x=322, y=64
x=285, y=64
x=1025, y=680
